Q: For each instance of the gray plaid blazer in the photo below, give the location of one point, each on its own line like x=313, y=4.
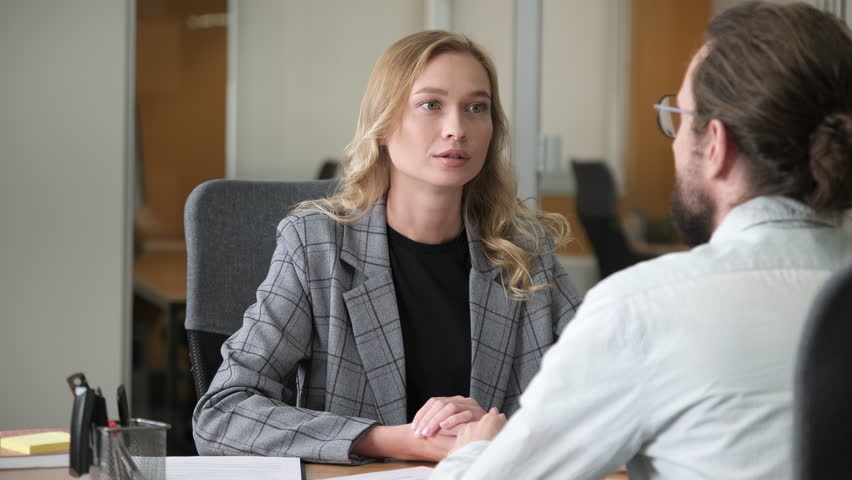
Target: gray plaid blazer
x=319, y=358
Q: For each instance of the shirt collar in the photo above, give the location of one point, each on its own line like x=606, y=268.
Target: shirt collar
x=777, y=210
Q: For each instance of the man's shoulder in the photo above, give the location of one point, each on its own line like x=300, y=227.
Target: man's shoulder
x=796, y=250
x=651, y=274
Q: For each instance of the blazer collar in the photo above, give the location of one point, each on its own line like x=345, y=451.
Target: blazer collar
x=365, y=242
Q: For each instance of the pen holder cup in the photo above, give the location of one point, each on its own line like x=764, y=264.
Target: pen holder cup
x=134, y=452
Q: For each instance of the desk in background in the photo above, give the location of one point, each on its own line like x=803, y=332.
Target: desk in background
x=159, y=277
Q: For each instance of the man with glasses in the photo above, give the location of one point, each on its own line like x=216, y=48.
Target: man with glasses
x=681, y=367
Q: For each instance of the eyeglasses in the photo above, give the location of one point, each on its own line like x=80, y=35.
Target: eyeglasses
x=668, y=116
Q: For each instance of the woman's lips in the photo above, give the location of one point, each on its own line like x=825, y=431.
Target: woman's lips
x=453, y=158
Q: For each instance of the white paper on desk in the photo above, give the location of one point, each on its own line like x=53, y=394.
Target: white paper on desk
x=233, y=468
x=416, y=473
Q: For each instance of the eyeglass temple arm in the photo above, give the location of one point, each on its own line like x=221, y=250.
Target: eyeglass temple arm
x=671, y=109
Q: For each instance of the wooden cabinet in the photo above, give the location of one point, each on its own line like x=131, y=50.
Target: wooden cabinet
x=664, y=35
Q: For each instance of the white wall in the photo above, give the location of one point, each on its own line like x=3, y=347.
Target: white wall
x=584, y=69
x=303, y=66
x=490, y=23
x=63, y=279
x=302, y=69
x=585, y=75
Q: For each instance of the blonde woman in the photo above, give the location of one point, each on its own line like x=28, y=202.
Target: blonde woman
x=420, y=295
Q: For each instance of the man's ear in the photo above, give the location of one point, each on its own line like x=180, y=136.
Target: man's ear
x=720, y=149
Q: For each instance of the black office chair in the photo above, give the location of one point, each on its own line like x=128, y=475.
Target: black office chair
x=597, y=209
x=822, y=395
x=230, y=236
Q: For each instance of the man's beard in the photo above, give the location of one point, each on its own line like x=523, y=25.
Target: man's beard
x=692, y=212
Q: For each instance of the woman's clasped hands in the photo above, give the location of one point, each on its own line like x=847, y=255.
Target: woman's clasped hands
x=458, y=417
x=445, y=415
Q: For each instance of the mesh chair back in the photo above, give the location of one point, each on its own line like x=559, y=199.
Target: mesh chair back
x=230, y=237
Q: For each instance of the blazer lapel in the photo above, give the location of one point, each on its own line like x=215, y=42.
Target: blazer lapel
x=493, y=331
x=374, y=315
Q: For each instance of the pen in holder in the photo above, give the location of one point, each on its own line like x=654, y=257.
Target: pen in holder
x=133, y=452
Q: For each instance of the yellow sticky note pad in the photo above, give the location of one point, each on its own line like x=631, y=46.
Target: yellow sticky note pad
x=36, y=443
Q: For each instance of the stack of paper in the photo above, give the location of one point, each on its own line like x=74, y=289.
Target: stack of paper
x=265, y=468
x=233, y=468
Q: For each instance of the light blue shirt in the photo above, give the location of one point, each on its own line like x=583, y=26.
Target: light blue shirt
x=680, y=367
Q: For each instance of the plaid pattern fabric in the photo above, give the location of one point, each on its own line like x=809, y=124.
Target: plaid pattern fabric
x=319, y=358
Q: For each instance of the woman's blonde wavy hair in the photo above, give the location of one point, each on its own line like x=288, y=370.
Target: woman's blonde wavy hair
x=510, y=232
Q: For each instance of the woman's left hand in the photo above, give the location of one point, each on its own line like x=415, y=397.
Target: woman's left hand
x=485, y=429
x=445, y=415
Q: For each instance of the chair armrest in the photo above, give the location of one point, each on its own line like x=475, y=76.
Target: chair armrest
x=204, y=356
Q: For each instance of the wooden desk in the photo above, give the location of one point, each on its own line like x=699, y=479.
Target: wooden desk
x=312, y=471
x=315, y=471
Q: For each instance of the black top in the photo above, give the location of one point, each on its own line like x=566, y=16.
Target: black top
x=432, y=293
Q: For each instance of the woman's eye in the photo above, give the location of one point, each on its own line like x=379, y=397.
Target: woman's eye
x=431, y=106
x=477, y=108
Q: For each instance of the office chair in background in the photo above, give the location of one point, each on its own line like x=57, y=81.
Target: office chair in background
x=597, y=209
x=328, y=169
x=822, y=391
x=230, y=236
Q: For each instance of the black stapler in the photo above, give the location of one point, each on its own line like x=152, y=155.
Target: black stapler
x=88, y=412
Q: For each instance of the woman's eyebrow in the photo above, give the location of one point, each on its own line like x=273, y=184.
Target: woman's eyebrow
x=441, y=91
x=432, y=90
x=481, y=93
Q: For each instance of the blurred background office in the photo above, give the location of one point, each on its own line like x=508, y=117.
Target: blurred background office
x=111, y=112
